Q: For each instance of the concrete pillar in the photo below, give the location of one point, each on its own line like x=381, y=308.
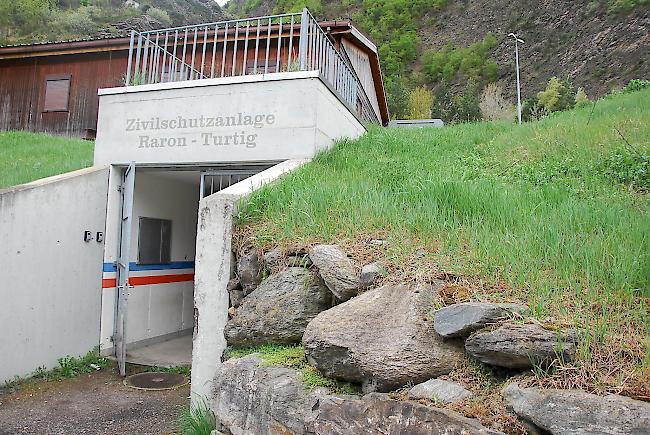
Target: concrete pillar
x=213, y=265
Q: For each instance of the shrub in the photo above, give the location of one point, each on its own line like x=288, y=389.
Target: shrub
x=532, y=110
x=581, y=98
x=629, y=168
x=420, y=103
x=397, y=96
x=558, y=95
x=472, y=62
x=493, y=106
x=467, y=104
x=77, y=22
x=159, y=15
x=636, y=85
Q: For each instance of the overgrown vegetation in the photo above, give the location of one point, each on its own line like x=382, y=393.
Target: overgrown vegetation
x=555, y=213
x=28, y=156
x=196, y=419
x=617, y=6
x=58, y=20
x=68, y=367
x=293, y=357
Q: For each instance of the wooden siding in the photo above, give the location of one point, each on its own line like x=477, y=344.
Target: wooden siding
x=361, y=64
x=22, y=91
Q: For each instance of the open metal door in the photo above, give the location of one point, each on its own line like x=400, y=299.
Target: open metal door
x=126, y=195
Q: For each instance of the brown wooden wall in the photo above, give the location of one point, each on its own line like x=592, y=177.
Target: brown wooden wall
x=22, y=90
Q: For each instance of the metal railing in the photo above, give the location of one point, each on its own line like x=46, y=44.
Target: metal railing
x=261, y=45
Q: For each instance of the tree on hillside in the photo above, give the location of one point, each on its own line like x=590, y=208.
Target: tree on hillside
x=420, y=103
x=558, y=95
x=493, y=106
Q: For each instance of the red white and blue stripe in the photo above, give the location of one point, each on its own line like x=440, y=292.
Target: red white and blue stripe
x=147, y=274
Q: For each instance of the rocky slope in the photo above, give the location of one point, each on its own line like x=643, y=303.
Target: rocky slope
x=403, y=347
x=598, y=46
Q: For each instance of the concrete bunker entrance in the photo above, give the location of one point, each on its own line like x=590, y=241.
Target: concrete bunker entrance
x=158, y=302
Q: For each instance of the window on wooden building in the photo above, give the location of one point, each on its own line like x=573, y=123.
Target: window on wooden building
x=57, y=93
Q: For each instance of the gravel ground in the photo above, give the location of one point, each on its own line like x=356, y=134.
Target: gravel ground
x=96, y=403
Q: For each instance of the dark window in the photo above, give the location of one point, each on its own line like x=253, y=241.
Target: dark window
x=57, y=93
x=154, y=241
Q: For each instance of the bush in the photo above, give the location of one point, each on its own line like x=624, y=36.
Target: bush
x=532, y=110
x=581, y=98
x=159, y=15
x=629, y=168
x=472, y=62
x=636, y=85
x=397, y=96
x=493, y=106
x=467, y=104
x=420, y=103
x=77, y=22
x=558, y=95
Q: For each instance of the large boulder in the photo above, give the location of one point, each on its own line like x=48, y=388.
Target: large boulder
x=251, y=398
x=521, y=346
x=249, y=270
x=336, y=269
x=576, y=412
x=382, y=339
x=375, y=414
x=279, y=309
x=440, y=390
x=460, y=320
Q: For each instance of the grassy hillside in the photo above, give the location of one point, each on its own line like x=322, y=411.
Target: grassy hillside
x=555, y=213
x=26, y=156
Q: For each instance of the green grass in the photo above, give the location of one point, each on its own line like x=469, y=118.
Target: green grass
x=555, y=213
x=196, y=419
x=68, y=367
x=25, y=156
x=293, y=357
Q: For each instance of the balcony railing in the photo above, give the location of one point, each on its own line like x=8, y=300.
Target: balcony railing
x=261, y=45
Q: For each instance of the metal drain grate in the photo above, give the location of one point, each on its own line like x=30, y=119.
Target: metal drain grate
x=155, y=381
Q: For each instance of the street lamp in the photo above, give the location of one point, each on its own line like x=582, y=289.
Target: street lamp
x=517, y=41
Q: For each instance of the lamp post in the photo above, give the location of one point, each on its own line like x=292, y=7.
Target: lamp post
x=517, y=41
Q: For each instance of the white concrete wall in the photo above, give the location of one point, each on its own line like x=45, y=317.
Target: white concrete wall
x=50, y=286
x=291, y=105
x=213, y=269
x=155, y=309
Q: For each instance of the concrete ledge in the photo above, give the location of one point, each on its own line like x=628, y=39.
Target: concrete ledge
x=252, y=78
x=53, y=179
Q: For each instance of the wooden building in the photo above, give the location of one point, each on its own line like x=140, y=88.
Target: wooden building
x=52, y=87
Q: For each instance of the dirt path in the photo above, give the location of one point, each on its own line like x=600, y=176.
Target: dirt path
x=96, y=403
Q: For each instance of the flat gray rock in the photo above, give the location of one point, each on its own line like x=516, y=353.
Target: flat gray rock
x=336, y=269
x=251, y=398
x=578, y=413
x=382, y=339
x=440, y=391
x=272, y=258
x=519, y=346
x=377, y=414
x=279, y=309
x=370, y=273
x=249, y=271
x=460, y=320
